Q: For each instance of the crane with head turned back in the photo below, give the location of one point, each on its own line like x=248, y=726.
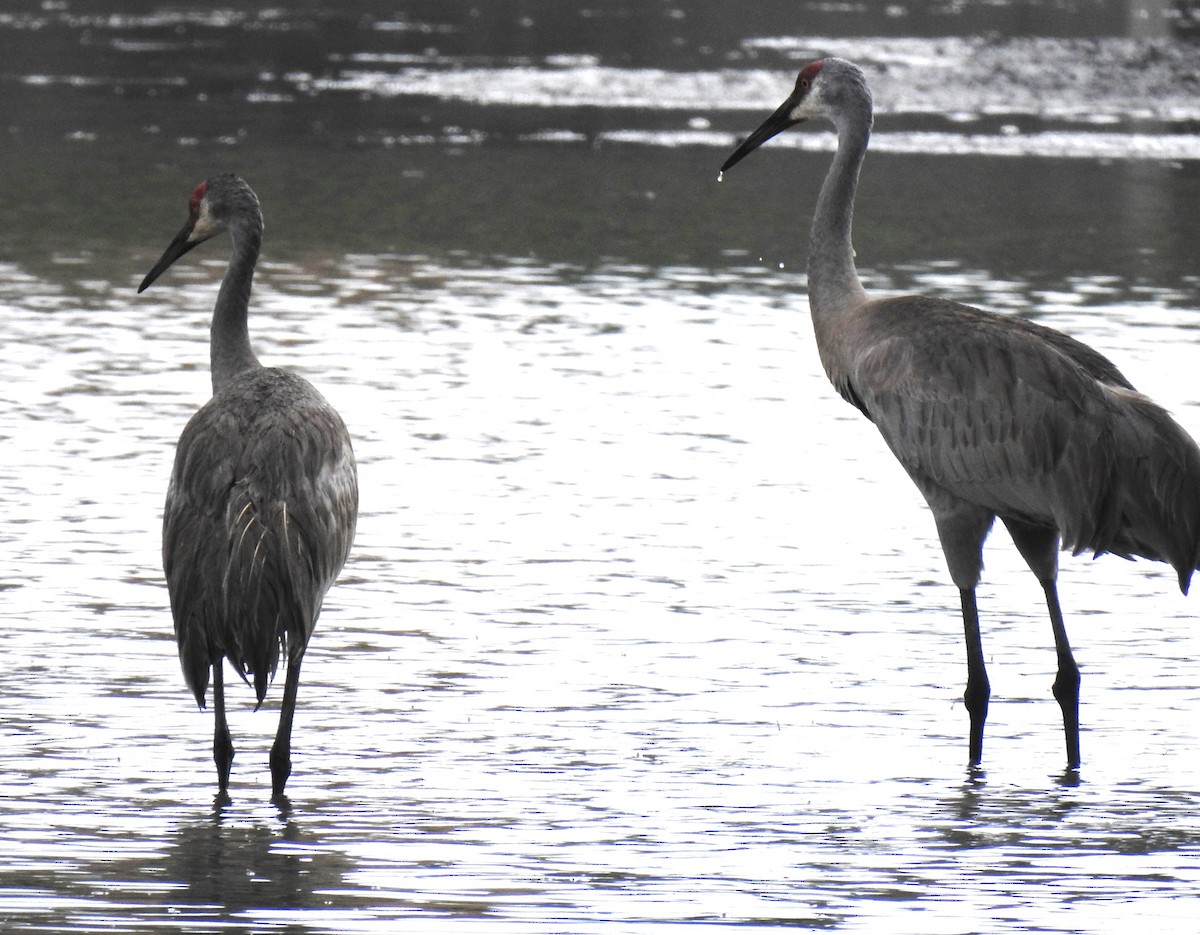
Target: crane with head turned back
x=263, y=498
x=991, y=415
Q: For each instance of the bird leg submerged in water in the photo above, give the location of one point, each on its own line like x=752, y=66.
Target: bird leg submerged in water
x=263, y=499
x=222, y=742
x=1039, y=546
x=281, y=750
x=990, y=415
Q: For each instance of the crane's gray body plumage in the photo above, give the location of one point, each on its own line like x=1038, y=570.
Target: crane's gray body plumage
x=990, y=415
x=1022, y=422
x=255, y=529
x=263, y=499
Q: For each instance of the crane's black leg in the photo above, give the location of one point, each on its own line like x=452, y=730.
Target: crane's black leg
x=979, y=690
x=222, y=743
x=962, y=529
x=1066, y=682
x=281, y=750
x=1039, y=547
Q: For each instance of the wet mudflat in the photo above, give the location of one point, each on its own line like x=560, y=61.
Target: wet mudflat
x=644, y=627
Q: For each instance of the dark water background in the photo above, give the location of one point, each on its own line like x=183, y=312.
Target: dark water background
x=643, y=630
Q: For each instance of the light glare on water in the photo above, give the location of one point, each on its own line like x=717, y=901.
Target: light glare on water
x=613, y=644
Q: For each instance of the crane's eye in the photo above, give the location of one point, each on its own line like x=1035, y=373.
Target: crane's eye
x=808, y=74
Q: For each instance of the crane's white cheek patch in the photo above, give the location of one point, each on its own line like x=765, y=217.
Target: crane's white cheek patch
x=812, y=106
x=204, y=227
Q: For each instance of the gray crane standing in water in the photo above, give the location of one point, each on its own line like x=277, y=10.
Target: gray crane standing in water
x=263, y=499
x=990, y=415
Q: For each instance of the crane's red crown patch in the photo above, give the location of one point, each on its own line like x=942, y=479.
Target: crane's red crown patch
x=805, y=79
x=197, y=197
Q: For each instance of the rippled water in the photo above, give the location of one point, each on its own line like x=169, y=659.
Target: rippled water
x=643, y=628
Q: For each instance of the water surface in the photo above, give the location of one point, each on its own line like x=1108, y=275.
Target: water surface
x=643, y=628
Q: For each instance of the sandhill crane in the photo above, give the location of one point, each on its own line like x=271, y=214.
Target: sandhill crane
x=990, y=415
x=263, y=498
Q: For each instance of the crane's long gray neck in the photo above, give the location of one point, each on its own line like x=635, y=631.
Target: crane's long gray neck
x=230, y=342
x=833, y=283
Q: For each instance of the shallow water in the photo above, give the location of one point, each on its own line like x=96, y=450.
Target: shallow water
x=643, y=628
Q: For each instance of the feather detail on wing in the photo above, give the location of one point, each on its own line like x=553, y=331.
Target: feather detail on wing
x=259, y=520
x=1028, y=424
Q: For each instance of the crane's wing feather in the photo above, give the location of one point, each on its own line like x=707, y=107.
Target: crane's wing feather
x=259, y=520
x=1027, y=423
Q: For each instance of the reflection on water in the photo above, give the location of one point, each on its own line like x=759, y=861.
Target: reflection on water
x=643, y=627
x=244, y=867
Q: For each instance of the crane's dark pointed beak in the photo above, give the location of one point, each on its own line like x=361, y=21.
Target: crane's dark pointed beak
x=179, y=246
x=774, y=125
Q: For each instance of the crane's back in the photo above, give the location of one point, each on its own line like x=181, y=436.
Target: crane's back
x=259, y=519
x=1023, y=421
